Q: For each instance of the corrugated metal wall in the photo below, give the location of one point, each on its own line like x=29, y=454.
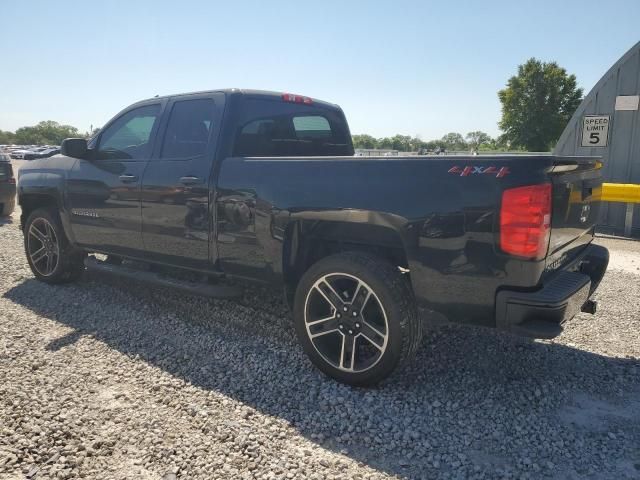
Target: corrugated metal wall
x=622, y=151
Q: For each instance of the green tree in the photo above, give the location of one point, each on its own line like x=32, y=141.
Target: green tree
x=537, y=104
x=453, y=141
x=46, y=132
x=401, y=142
x=6, y=138
x=364, y=141
x=477, y=138
x=385, y=142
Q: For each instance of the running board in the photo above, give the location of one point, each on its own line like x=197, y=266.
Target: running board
x=196, y=288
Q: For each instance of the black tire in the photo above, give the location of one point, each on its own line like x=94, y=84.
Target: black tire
x=69, y=264
x=391, y=295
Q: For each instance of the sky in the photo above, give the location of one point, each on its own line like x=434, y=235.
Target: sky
x=421, y=68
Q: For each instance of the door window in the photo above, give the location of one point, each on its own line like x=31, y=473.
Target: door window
x=188, y=130
x=129, y=137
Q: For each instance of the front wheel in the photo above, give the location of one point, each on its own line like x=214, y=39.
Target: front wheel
x=51, y=258
x=356, y=319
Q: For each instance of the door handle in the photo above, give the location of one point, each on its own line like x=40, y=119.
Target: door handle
x=190, y=180
x=128, y=178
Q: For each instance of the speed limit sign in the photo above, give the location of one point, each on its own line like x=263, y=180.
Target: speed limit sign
x=595, y=130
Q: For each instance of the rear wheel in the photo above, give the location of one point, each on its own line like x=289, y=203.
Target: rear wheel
x=51, y=258
x=356, y=318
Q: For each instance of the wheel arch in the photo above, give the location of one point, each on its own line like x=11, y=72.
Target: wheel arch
x=309, y=239
x=32, y=201
x=39, y=189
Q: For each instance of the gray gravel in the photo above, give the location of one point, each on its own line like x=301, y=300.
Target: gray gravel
x=106, y=379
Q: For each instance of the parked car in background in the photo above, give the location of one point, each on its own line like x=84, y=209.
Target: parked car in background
x=440, y=151
x=42, y=152
x=19, y=154
x=51, y=151
x=33, y=153
x=7, y=186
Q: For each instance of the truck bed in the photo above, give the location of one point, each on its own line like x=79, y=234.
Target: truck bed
x=443, y=211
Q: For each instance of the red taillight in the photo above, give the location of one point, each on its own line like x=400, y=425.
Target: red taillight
x=525, y=220
x=289, y=97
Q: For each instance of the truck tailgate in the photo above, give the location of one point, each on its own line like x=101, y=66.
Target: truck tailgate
x=576, y=183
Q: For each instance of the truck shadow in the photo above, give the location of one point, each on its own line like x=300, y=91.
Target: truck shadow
x=470, y=390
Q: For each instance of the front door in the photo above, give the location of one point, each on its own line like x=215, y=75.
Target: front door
x=176, y=197
x=103, y=193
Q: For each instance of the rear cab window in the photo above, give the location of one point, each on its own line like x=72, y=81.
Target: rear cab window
x=271, y=127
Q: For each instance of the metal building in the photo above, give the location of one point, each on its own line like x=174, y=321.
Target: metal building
x=607, y=124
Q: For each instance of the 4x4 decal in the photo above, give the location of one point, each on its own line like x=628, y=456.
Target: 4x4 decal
x=473, y=170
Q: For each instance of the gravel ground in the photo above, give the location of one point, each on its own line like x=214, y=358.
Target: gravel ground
x=107, y=379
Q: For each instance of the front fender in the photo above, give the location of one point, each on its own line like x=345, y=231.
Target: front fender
x=42, y=183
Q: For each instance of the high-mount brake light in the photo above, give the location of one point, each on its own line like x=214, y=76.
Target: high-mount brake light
x=291, y=98
x=525, y=221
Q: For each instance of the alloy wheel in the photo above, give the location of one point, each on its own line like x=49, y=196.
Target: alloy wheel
x=346, y=322
x=43, y=247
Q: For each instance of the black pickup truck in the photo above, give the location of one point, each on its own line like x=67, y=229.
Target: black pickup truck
x=265, y=186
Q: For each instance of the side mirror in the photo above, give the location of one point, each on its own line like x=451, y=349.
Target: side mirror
x=74, y=147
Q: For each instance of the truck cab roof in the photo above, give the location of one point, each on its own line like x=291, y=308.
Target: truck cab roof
x=245, y=92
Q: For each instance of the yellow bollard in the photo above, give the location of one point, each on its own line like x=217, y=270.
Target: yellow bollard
x=620, y=192
x=628, y=193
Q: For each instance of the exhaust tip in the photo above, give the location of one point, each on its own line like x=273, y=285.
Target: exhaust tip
x=590, y=306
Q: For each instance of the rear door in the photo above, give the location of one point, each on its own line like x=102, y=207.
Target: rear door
x=176, y=214
x=576, y=207
x=103, y=193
